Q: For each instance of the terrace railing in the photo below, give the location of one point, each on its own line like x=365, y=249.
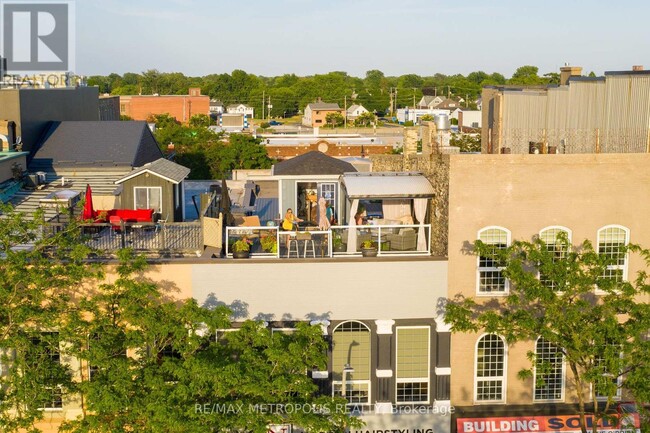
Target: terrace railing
x=390, y=240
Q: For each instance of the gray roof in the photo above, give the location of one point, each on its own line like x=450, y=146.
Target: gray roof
x=97, y=144
x=101, y=182
x=216, y=103
x=312, y=163
x=162, y=167
x=323, y=106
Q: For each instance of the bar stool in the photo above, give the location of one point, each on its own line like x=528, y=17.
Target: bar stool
x=309, y=242
x=292, y=241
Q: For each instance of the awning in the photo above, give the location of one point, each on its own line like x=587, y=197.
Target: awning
x=381, y=185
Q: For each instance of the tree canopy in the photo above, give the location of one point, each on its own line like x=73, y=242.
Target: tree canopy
x=289, y=94
x=576, y=299
x=147, y=362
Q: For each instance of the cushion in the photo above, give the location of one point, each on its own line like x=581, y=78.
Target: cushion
x=406, y=231
x=406, y=219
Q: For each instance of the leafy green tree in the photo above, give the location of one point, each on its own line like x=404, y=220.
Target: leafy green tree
x=37, y=283
x=334, y=119
x=200, y=121
x=466, y=142
x=364, y=119
x=571, y=297
x=526, y=75
x=169, y=369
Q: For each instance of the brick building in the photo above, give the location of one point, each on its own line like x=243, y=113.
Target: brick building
x=181, y=107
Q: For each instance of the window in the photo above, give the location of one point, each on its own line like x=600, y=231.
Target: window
x=148, y=198
x=549, y=372
x=490, y=276
x=46, y=354
x=611, y=240
x=610, y=381
x=412, y=364
x=351, y=347
x=490, y=369
x=95, y=342
x=318, y=121
x=557, y=248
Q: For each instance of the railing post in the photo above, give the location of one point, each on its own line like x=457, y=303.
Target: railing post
x=122, y=234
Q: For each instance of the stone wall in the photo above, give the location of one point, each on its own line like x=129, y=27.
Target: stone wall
x=436, y=168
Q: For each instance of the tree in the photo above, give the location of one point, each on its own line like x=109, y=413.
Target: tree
x=200, y=121
x=334, y=119
x=36, y=286
x=601, y=335
x=526, y=75
x=169, y=368
x=364, y=119
x=466, y=142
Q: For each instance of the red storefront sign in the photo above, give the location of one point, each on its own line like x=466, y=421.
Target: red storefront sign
x=629, y=423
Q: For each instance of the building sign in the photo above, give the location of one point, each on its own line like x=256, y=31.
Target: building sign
x=630, y=423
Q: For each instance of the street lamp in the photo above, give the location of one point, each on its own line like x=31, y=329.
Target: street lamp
x=346, y=370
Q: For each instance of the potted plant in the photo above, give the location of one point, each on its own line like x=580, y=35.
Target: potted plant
x=337, y=243
x=368, y=249
x=241, y=248
x=269, y=243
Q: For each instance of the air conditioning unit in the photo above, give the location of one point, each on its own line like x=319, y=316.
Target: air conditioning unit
x=41, y=177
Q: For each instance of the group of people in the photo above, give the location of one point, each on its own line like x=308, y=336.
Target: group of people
x=291, y=220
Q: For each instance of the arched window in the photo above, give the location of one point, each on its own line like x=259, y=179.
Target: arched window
x=549, y=372
x=490, y=375
x=351, y=362
x=490, y=277
x=551, y=237
x=611, y=240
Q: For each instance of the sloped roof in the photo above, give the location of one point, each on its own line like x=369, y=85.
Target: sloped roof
x=163, y=168
x=312, y=163
x=97, y=144
x=323, y=106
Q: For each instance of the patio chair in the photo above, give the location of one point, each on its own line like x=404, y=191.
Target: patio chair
x=405, y=239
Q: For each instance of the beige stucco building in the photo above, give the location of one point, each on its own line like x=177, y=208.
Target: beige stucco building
x=502, y=198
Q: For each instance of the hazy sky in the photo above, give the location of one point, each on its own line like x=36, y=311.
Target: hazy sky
x=306, y=37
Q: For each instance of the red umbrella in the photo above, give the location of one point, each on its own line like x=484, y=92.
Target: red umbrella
x=88, y=212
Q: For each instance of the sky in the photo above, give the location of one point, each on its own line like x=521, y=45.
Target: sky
x=307, y=37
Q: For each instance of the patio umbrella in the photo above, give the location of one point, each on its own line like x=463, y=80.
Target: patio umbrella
x=228, y=219
x=88, y=211
x=323, y=222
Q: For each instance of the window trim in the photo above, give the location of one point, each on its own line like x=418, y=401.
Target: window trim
x=563, y=388
x=416, y=379
x=504, y=378
x=479, y=269
x=355, y=381
x=623, y=267
x=135, y=197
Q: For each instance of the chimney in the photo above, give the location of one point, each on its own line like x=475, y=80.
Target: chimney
x=567, y=72
x=637, y=68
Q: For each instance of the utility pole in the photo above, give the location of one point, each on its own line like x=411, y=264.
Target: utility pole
x=448, y=92
x=269, y=107
x=263, y=102
x=435, y=91
x=391, y=99
x=345, y=114
x=414, y=98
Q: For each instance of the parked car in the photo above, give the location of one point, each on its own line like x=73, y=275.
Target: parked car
x=275, y=123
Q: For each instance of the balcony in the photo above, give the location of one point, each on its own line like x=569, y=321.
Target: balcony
x=338, y=241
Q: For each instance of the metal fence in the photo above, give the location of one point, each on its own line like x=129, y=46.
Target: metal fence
x=172, y=238
x=573, y=141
